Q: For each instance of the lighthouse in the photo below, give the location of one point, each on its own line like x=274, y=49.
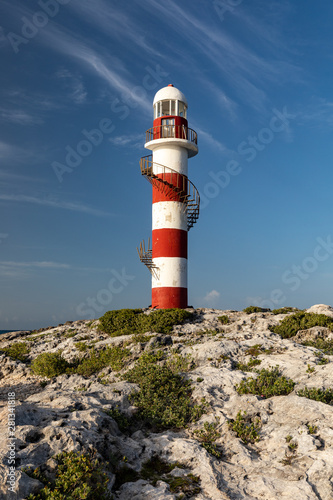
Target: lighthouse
x=175, y=199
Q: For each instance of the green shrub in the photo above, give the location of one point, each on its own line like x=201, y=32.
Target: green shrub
x=128, y=321
x=19, y=350
x=112, y=356
x=49, y=364
x=285, y=310
x=254, y=309
x=290, y=325
x=81, y=346
x=267, y=384
x=245, y=428
x=317, y=394
x=326, y=346
x=257, y=349
x=224, y=319
x=79, y=477
x=248, y=367
x=207, y=437
x=164, y=399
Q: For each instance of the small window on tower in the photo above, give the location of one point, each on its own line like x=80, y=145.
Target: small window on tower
x=182, y=109
x=165, y=108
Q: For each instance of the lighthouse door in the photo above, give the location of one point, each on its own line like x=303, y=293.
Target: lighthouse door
x=168, y=127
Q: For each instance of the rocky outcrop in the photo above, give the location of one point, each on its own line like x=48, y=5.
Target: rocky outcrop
x=70, y=412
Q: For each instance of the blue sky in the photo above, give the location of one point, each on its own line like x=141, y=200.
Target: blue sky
x=258, y=79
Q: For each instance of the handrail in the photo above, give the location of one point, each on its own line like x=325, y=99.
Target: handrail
x=183, y=188
x=171, y=132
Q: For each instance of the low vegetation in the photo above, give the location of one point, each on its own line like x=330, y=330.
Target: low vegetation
x=317, y=394
x=254, y=309
x=285, y=310
x=79, y=477
x=224, y=319
x=248, y=367
x=325, y=345
x=207, y=437
x=290, y=325
x=246, y=428
x=268, y=383
x=164, y=398
x=18, y=350
x=53, y=364
x=128, y=321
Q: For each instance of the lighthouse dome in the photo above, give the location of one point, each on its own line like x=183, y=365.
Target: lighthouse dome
x=170, y=92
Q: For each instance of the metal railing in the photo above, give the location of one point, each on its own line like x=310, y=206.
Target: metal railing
x=177, y=186
x=171, y=132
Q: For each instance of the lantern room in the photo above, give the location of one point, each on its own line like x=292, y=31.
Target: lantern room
x=170, y=114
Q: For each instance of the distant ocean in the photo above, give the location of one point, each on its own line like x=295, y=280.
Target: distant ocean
x=7, y=331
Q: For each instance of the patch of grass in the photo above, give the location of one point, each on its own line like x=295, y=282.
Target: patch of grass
x=128, y=321
x=188, y=485
x=246, y=428
x=70, y=333
x=317, y=394
x=79, y=477
x=224, y=319
x=285, y=310
x=164, y=399
x=288, y=438
x=322, y=360
x=257, y=349
x=290, y=325
x=312, y=429
x=49, y=364
x=310, y=369
x=207, y=437
x=326, y=346
x=254, y=309
x=248, y=367
x=268, y=383
x=18, y=350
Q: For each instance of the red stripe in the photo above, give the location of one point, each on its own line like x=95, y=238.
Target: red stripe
x=162, y=192
x=169, y=243
x=169, y=297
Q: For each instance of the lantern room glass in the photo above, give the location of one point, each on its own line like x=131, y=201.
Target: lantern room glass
x=170, y=108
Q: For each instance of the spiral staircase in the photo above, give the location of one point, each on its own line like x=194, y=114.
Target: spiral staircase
x=177, y=187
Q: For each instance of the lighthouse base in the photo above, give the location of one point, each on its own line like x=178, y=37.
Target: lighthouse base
x=169, y=297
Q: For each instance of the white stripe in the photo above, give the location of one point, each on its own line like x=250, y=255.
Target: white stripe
x=169, y=215
x=172, y=271
x=174, y=158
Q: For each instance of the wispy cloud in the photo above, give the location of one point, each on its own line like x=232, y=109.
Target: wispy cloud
x=19, y=117
x=319, y=113
x=115, y=23
x=75, y=207
x=206, y=136
x=107, y=67
x=135, y=141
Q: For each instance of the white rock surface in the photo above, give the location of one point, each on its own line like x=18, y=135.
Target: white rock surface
x=67, y=414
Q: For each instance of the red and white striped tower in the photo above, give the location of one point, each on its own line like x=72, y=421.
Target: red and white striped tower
x=175, y=198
